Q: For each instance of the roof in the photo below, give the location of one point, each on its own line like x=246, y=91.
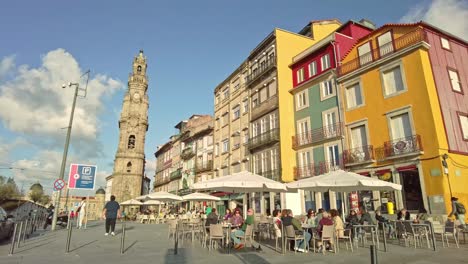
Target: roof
x=100, y=191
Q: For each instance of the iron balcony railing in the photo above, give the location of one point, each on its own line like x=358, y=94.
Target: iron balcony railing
x=161, y=181
x=204, y=166
x=361, y=154
x=187, y=153
x=376, y=54
x=399, y=147
x=271, y=174
x=264, y=138
x=315, y=169
x=317, y=135
x=176, y=174
x=261, y=69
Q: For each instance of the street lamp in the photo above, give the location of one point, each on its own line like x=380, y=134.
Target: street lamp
x=446, y=171
x=67, y=143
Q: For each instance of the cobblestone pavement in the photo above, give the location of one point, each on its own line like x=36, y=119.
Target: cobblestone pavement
x=149, y=244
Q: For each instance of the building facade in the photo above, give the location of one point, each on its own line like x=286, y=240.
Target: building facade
x=405, y=113
x=318, y=139
x=95, y=204
x=127, y=180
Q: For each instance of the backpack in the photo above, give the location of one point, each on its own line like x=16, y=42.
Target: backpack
x=460, y=208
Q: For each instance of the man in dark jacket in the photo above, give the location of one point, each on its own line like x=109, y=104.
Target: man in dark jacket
x=111, y=212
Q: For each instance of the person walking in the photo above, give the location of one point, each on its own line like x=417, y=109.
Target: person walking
x=459, y=211
x=81, y=212
x=110, y=213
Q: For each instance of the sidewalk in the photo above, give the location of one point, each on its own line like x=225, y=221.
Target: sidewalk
x=149, y=244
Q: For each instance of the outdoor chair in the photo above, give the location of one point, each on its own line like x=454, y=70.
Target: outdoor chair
x=328, y=234
x=276, y=234
x=152, y=218
x=144, y=218
x=346, y=238
x=248, y=235
x=401, y=232
x=368, y=231
x=292, y=236
x=449, y=230
x=216, y=233
x=412, y=234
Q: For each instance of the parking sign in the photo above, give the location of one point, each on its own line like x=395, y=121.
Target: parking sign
x=82, y=176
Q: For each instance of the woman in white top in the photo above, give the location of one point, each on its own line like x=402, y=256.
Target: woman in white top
x=82, y=212
x=310, y=219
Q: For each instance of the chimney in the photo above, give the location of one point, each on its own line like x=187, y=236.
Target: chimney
x=367, y=23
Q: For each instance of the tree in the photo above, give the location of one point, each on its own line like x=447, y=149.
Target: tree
x=44, y=200
x=8, y=188
x=36, y=192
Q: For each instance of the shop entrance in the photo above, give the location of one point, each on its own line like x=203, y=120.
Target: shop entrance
x=412, y=194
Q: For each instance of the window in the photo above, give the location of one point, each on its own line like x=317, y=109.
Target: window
x=209, y=140
x=263, y=125
x=325, y=62
x=139, y=69
x=129, y=166
x=303, y=135
x=274, y=159
x=255, y=129
x=131, y=142
x=217, y=99
x=226, y=94
x=272, y=88
x=304, y=159
x=225, y=145
x=225, y=171
x=255, y=100
x=464, y=125
x=330, y=123
x=246, y=137
x=236, y=112
x=385, y=43
x=393, y=81
x=273, y=121
x=358, y=137
x=236, y=168
x=302, y=100
x=400, y=126
x=445, y=43
x=455, y=81
x=217, y=123
x=300, y=75
x=364, y=53
x=236, y=85
x=312, y=68
x=263, y=94
x=225, y=119
x=265, y=161
x=246, y=106
x=353, y=95
x=333, y=155
x=327, y=90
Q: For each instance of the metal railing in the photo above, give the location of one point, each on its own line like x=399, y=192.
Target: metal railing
x=187, y=153
x=315, y=169
x=269, y=64
x=399, y=147
x=272, y=174
x=204, y=166
x=176, y=174
x=317, y=135
x=375, y=54
x=358, y=155
x=161, y=181
x=264, y=138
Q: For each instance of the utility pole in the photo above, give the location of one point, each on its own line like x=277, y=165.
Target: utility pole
x=446, y=171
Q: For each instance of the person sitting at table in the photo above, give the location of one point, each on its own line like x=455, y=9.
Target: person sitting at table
x=386, y=223
x=290, y=220
x=249, y=220
x=325, y=221
x=352, y=220
x=211, y=219
x=318, y=216
x=228, y=215
x=277, y=220
x=422, y=216
x=236, y=220
x=338, y=222
x=365, y=217
x=310, y=219
x=403, y=215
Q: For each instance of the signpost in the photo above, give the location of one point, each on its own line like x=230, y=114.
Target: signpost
x=82, y=177
x=59, y=184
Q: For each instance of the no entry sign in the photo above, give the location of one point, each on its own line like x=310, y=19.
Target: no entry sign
x=59, y=184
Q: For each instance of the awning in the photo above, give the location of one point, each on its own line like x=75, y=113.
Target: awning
x=407, y=168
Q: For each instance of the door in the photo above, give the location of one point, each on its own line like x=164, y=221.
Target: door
x=330, y=124
x=385, y=43
x=364, y=52
x=358, y=143
x=402, y=140
x=412, y=194
x=303, y=131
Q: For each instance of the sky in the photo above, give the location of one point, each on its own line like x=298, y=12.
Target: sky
x=191, y=47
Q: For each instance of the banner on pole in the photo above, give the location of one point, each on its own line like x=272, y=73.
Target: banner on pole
x=82, y=176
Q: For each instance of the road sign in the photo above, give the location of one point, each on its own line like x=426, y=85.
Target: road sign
x=59, y=184
x=82, y=176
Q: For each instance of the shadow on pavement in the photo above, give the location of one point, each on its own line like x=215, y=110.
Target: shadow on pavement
x=250, y=258
x=84, y=245
x=134, y=242
x=180, y=258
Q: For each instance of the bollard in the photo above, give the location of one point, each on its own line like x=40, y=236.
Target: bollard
x=176, y=238
x=384, y=237
x=25, y=231
x=19, y=235
x=283, y=238
x=373, y=255
x=67, y=249
x=122, y=240
x=12, y=245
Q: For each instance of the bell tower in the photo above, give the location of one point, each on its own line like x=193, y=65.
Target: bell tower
x=129, y=163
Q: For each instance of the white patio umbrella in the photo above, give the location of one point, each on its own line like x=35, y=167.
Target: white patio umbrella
x=163, y=197
x=242, y=182
x=342, y=181
x=152, y=202
x=131, y=202
x=196, y=196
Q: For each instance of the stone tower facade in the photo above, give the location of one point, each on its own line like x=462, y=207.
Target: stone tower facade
x=129, y=164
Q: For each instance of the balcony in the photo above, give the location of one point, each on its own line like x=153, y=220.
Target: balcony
x=270, y=64
x=317, y=135
x=406, y=40
x=204, y=166
x=360, y=155
x=272, y=174
x=316, y=169
x=187, y=153
x=268, y=137
x=400, y=148
x=160, y=181
x=176, y=174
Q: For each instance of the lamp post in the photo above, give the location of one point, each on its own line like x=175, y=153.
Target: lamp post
x=446, y=171
x=65, y=152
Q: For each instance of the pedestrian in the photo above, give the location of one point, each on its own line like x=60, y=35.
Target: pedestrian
x=459, y=211
x=110, y=213
x=82, y=212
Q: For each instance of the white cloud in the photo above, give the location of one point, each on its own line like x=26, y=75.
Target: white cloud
x=150, y=168
x=449, y=15
x=34, y=104
x=6, y=65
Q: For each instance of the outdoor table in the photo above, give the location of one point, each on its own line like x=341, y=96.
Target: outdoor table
x=228, y=228
x=373, y=228
x=313, y=231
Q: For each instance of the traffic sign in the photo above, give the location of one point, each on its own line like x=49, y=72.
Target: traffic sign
x=59, y=184
x=82, y=176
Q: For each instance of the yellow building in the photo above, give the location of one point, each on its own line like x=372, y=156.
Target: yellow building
x=95, y=204
x=401, y=90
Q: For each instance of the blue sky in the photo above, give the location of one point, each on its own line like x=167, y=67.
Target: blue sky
x=191, y=46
